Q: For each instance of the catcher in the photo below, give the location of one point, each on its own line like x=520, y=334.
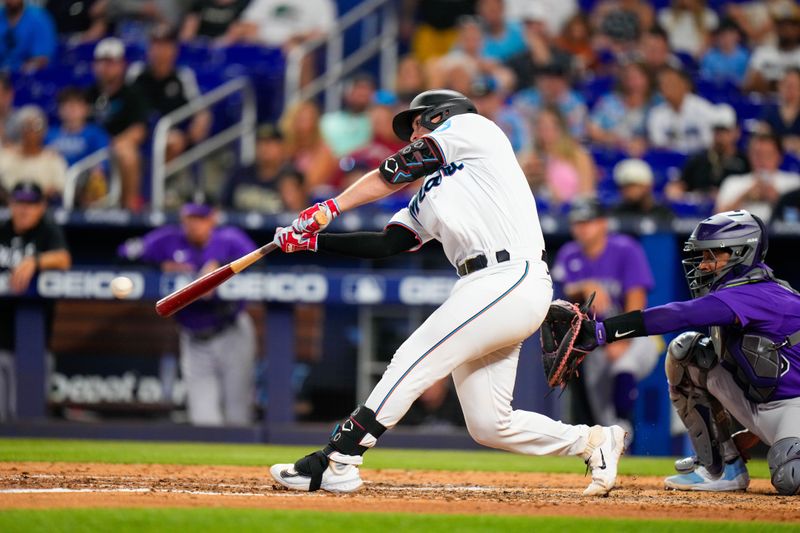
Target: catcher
x=748, y=366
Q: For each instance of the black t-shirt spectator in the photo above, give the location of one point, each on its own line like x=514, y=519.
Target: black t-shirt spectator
x=706, y=170
x=118, y=112
x=772, y=118
x=443, y=14
x=525, y=70
x=788, y=207
x=44, y=237
x=246, y=191
x=216, y=17
x=164, y=95
x=71, y=16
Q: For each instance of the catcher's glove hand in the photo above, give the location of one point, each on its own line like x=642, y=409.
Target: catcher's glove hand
x=567, y=335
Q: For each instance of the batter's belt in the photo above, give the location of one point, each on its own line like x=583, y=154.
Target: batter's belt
x=480, y=261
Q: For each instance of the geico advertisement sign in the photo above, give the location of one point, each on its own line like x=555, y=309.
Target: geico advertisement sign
x=419, y=290
x=66, y=284
x=276, y=287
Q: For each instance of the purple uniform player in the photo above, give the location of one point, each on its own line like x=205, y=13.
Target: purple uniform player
x=748, y=366
x=615, y=268
x=217, y=339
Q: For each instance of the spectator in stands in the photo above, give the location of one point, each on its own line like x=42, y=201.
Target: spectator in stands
x=134, y=19
x=783, y=117
x=576, y=39
x=6, y=109
x=217, y=337
x=466, y=61
x=757, y=18
x=540, y=52
x=689, y=24
x=552, y=89
x=79, y=20
x=618, y=120
x=308, y=151
x=491, y=103
x=727, y=59
x=30, y=160
x=634, y=178
x=75, y=139
x=383, y=142
x=615, y=268
x=285, y=24
x=788, y=208
x=558, y=167
x=655, y=53
x=705, y=171
x=165, y=87
x=410, y=80
x=210, y=19
x=29, y=37
x=30, y=242
x=432, y=25
x=350, y=128
x=291, y=185
x=682, y=122
x=121, y=111
x=769, y=62
x=501, y=38
x=620, y=24
x=760, y=190
x=256, y=188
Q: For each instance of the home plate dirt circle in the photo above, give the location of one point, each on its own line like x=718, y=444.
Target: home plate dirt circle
x=50, y=485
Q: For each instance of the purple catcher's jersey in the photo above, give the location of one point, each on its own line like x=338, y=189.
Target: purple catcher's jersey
x=170, y=244
x=621, y=267
x=772, y=311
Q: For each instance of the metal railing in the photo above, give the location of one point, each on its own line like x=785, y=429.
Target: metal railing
x=337, y=66
x=244, y=131
x=80, y=167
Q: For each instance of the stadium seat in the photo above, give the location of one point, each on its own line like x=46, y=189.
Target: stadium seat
x=666, y=165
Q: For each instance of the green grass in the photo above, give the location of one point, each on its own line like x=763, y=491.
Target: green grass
x=140, y=520
x=186, y=453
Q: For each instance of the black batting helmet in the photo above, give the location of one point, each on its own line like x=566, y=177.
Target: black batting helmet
x=435, y=106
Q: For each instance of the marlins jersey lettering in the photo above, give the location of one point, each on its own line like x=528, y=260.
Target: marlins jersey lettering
x=479, y=201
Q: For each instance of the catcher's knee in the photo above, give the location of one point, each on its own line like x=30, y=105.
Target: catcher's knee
x=784, y=466
x=690, y=349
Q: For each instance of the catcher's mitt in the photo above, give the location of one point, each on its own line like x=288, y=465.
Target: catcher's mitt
x=567, y=335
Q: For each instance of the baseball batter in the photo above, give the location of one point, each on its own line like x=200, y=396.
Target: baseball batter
x=474, y=200
x=748, y=367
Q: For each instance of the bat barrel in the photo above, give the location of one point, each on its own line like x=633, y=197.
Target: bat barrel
x=169, y=305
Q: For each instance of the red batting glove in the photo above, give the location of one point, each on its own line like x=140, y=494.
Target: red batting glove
x=290, y=241
x=305, y=222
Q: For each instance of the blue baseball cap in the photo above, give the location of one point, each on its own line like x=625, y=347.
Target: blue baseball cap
x=27, y=192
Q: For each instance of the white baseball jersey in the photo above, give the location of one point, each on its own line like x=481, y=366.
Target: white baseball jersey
x=479, y=202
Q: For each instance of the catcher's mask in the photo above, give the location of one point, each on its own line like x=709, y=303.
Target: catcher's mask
x=435, y=107
x=739, y=233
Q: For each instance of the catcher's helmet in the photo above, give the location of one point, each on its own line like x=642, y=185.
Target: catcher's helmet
x=738, y=232
x=435, y=106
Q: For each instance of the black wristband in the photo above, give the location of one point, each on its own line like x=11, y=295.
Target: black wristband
x=625, y=326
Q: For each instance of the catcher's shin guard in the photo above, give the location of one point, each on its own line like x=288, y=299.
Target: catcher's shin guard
x=345, y=445
x=689, y=358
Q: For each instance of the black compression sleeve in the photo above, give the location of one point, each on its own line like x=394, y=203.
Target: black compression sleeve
x=368, y=245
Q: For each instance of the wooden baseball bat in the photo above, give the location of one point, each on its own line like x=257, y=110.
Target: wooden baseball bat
x=177, y=300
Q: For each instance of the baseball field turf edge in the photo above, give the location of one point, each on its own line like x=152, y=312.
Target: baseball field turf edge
x=143, y=520
x=193, y=453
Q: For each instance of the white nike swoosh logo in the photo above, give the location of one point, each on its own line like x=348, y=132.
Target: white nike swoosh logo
x=618, y=335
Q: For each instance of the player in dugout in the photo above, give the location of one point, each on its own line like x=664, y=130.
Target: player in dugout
x=217, y=337
x=747, y=366
x=476, y=201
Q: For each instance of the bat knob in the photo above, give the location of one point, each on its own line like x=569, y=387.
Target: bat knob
x=321, y=218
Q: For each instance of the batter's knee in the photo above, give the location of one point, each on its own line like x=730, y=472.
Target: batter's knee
x=783, y=459
x=489, y=431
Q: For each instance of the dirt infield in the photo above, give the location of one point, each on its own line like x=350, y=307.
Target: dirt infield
x=48, y=485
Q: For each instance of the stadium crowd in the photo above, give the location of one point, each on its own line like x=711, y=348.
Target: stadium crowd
x=705, y=97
